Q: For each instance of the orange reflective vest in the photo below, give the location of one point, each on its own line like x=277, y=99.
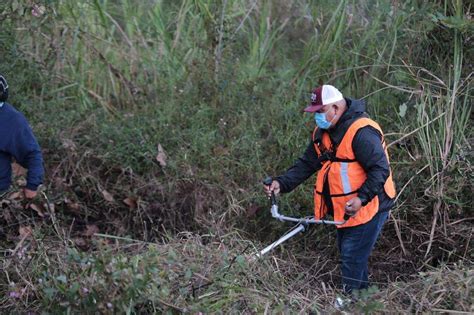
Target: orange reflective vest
x=345, y=176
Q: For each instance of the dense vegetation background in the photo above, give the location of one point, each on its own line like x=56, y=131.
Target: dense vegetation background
x=159, y=119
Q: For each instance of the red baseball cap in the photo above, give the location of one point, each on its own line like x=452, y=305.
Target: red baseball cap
x=323, y=95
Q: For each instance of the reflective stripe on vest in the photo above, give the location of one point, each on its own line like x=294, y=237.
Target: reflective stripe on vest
x=345, y=176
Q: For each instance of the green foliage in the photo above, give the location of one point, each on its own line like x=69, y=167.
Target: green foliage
x=219, y=86
x=107, y=282
x=367, y=302
x=182, y=276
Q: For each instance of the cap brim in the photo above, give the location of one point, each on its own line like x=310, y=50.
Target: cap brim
x=313, y=108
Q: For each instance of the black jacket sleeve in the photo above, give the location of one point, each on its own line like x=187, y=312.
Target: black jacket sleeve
x=369, y=152
x=304, y=167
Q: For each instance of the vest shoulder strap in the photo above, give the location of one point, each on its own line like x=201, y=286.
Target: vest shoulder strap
x=361, y=123
x=317, y=142
x=345, y=151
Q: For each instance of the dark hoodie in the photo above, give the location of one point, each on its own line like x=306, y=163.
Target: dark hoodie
x=368, y=150
x=17, y=141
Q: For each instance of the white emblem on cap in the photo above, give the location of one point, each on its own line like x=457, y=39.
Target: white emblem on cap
x=313, y=97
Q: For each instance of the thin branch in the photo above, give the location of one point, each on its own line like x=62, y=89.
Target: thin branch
x=243, y=20
x=412, y=132
x=393, y=86
x=218, y=52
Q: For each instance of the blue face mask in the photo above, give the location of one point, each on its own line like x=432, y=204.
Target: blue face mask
x=321, y=120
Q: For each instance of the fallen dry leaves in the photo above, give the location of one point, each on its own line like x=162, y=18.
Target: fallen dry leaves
x=161, y=157
x=132, y=202
x=107, y=196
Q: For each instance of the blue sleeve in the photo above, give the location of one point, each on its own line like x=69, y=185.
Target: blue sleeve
x=303, y=168
x=26, y=151
x=369, y=152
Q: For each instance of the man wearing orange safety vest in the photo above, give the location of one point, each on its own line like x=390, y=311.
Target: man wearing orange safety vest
x=354, y=181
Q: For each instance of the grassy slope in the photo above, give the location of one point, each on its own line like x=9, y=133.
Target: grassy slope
x=220, y=90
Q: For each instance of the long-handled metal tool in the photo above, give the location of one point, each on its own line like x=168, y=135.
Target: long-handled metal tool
x=300, y=227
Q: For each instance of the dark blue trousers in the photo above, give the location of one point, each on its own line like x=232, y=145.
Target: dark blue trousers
x=355, y=245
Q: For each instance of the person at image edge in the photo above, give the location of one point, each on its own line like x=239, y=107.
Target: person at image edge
x=18, y=142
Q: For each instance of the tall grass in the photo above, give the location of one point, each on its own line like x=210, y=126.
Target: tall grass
x=445, y=140
x=219, y=87
x=227, y=80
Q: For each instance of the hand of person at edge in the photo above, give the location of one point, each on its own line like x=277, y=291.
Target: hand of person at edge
x=352, y=206
x=29, y=194
x=275, y=187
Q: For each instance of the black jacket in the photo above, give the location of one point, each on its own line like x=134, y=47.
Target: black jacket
x=368, y=150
